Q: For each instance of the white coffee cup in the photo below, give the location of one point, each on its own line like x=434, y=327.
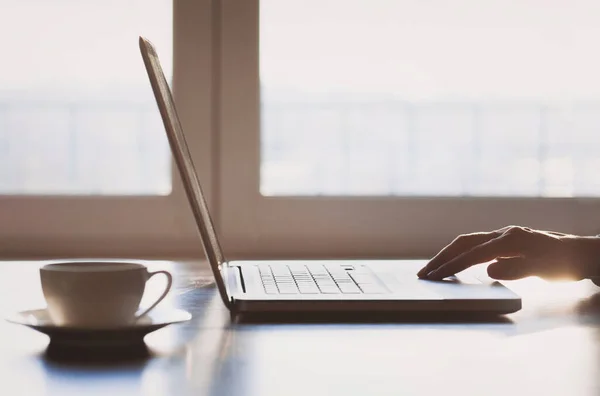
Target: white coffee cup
x=97, y=294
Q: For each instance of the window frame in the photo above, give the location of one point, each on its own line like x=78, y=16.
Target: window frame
x=252, y=225
x=219, y=108
x=123, y=226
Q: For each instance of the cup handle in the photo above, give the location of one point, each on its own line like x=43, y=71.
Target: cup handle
x=167, y=289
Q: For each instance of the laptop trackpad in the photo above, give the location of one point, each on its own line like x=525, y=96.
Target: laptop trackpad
x=464, y=286
x=408, y=286
x=468, y=286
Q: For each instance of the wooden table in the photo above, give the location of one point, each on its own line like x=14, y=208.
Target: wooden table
x=551, y=347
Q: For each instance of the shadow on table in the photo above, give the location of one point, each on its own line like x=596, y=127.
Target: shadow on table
x=374, y=318
x=551, y=316
x=588, y=310
x=134, y=354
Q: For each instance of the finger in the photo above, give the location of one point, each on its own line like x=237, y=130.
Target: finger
x=511, y=268
x=556, y=233
x=459, y=245
x=490, y=250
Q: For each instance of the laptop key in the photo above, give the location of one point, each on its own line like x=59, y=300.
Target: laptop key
x=330, y=290
x=342, y=278
x=288, y=291
x=327, y=284
x=349, y=289
x=309, y=290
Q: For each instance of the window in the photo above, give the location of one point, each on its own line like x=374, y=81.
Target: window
x=77, y=115
x=85, y=168
x=319, y=128
x=428, y=98
x=387, y=127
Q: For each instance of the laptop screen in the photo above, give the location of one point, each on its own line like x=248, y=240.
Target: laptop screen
x=184, y=163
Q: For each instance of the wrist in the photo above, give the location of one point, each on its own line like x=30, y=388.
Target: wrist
x=586, y=256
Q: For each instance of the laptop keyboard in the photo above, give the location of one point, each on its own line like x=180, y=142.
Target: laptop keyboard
x=318, y=279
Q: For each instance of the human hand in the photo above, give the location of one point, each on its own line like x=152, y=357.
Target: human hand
x=518, y=252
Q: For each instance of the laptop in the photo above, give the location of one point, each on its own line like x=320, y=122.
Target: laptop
x=265, y=286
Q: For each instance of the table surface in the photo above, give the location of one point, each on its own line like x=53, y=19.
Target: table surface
x=550, y=347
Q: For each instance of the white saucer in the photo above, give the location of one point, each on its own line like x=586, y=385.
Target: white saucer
x=39, y=319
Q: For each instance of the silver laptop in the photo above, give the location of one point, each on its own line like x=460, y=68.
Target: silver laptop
x=317, y=285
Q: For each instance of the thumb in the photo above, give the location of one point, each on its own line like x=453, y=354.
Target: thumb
x=510, y=268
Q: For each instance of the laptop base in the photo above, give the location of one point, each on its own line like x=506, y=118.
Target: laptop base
x=401, y=290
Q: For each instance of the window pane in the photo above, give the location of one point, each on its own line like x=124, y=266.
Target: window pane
x=434, y=98
x=77, y=115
